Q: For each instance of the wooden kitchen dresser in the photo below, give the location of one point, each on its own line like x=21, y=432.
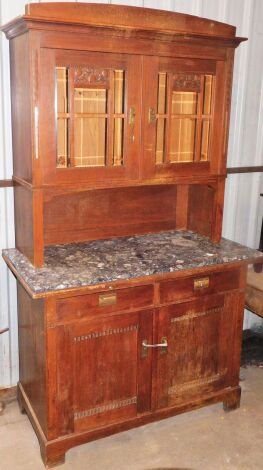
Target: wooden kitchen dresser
x=130, y=307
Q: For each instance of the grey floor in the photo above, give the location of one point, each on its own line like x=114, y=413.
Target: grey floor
x=206, y=439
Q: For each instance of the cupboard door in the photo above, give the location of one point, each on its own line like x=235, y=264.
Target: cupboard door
x=109, y=381
x=89, y=116
x=204, y=340
x=183, y=116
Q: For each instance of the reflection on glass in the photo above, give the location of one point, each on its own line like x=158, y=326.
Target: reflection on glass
x=89, y=131
x=89, y=100
x=62, y=116
x=182, y=141
x=90, y=141
x=118, y=142
x=184, y=102
x=161, y=108
x=119, y=80
x=93, y=116
x=160, y=140
x=205, y=140
x=118, y=91
x=208, y=80
x=161, y=118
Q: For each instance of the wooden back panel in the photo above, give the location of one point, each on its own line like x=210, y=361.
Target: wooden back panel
x=73, y=217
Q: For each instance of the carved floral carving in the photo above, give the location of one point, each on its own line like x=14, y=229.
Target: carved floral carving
x=186, y=82
x=89, y=76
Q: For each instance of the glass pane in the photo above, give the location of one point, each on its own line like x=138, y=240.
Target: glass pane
x=118, y=142
x=90, y=100
x=90, y=135
x=208, y=81
x=118, y=91
x=62, y=143
x=182, y=144
x=160, y=140
x=184, y=102
x=205, y=140
x=62, y=116
x=161, y=108
x=62, y=89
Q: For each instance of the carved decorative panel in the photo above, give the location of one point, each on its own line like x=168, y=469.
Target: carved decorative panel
x=102, y=409
x=192, y=314
x=187, y=82
x=113, y=331
x=90, y=77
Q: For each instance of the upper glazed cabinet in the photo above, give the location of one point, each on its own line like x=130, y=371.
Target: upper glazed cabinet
x=120, y=122
x=120, y=94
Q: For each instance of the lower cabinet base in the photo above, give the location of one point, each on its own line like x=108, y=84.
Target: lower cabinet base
x=53, y=451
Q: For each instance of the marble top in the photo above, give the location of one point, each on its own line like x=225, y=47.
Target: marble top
x=102, y=261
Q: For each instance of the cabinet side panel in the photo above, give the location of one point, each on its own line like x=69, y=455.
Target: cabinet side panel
x=21, y=107
x=29, y=223
x=23, y=198
x=108, y=213
x=32, y=357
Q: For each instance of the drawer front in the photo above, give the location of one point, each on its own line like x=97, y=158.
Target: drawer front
x=196, y=286
x=104, y=302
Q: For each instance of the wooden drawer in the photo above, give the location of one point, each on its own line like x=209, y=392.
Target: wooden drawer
x=196, y=286
x=104, y=302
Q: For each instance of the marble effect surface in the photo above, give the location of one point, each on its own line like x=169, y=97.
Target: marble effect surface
x=96, y=262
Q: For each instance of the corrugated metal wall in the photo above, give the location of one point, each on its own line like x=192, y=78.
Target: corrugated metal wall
x=243, y=208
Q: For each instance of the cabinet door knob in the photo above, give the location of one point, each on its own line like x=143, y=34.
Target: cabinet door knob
x=163, y=345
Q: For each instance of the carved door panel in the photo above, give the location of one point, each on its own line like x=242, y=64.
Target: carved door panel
x=89, y=126
x=110, y=382
x=182, y=132
x=200, y=357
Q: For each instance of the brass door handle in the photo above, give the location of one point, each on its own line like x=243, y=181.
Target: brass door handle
x=132, y=115
x=163, y=345
x=151, y=116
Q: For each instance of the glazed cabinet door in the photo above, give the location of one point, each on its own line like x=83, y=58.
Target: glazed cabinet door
x=89, y=108
x=102, y=377
x=202, y=357
x=184, y=106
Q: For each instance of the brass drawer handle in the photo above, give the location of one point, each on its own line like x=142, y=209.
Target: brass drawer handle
x=202, y=283
x=163, y=345
x=107, y=299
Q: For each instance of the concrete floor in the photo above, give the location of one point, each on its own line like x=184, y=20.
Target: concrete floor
x=206, y=439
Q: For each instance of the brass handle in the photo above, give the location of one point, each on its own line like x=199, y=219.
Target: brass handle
x=107, y=299
x=163, y=345
x=132, y=115
x=151, y=116
x=202, y=283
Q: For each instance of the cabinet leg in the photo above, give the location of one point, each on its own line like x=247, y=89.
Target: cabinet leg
x=52, y=458
x=232, y=402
